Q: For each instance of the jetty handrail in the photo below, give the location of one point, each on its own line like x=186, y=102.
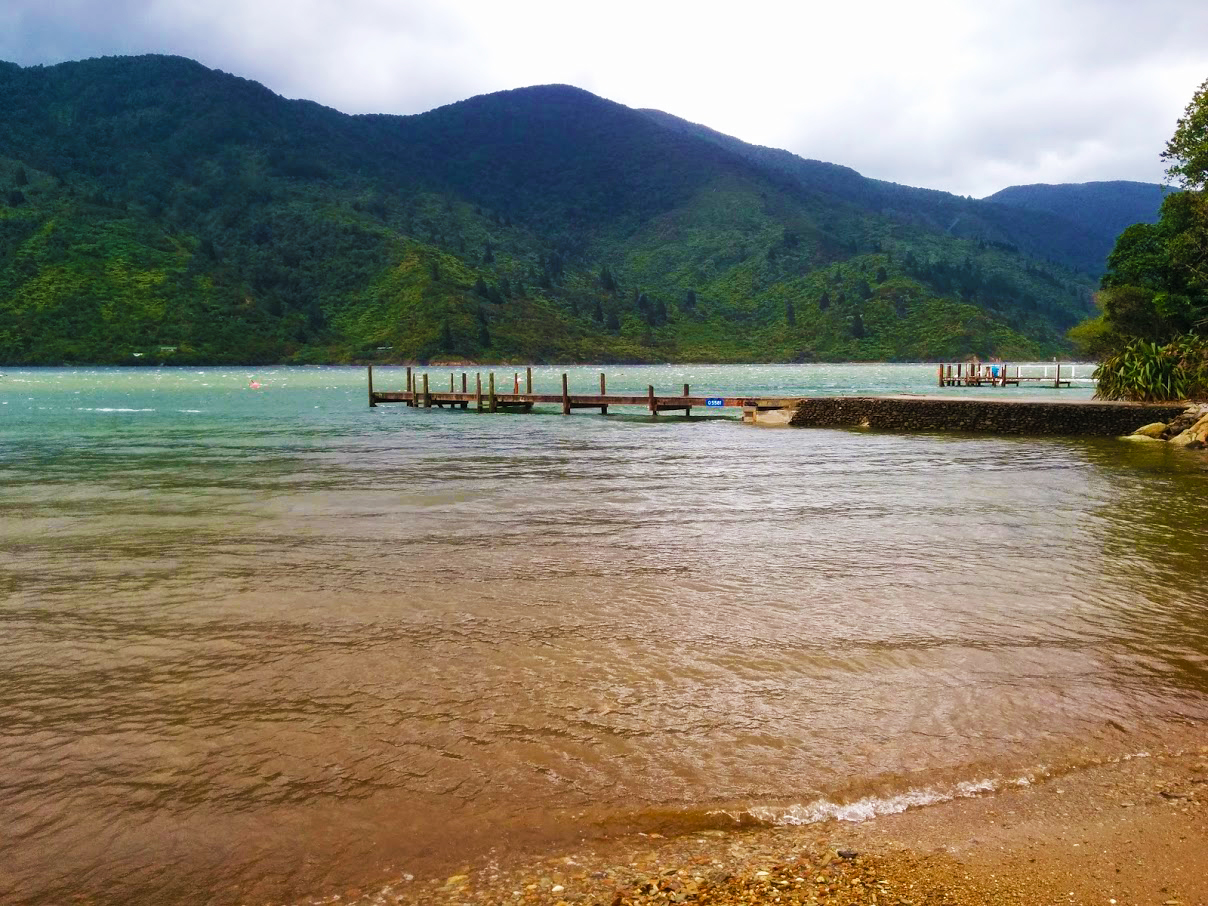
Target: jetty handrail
x=998, y=374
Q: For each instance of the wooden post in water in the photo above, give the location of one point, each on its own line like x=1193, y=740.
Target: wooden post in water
x=941, y=375
x=410, y=388
x=1057, y=375
x=654, y=407
x=565, y=396
x=372, y=404
x=450, y=381
x=687, y=409
x=427, y=395
x=478, y=391
x=603, y=391
x=491, y=407
x=516, y=382
x=463, y=382
x=528, y=379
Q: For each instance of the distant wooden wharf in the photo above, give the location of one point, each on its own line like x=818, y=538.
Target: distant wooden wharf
x=977, y=374
x=420, y=393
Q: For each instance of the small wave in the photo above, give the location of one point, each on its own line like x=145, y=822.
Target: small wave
x=107, y=409
x=873, y=806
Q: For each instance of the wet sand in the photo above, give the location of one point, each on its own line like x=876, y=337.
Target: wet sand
x=1132, y=831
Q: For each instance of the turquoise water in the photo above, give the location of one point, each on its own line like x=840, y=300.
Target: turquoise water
x=268, y=645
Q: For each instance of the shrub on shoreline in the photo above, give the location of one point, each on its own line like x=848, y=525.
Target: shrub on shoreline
x=1148, y=372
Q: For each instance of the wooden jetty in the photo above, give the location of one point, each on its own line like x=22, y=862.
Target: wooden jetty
x=420, y=393
x=977, y=374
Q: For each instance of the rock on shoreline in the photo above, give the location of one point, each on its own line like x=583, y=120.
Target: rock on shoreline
x=1188, y=430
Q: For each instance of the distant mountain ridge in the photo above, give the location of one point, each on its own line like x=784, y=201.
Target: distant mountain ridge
x=1076, y=224
x=150, y=205
x=1105, y=208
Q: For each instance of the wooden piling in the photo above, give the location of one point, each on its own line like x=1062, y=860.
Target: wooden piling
x=603, y=391
x=941, y=375
x=491, y=407
x=410, y=388
x=463, y=382
x=528, y=380
x=1057, y=376
x=372, y=404
x=565, y=396
x=650, y=401
x=427, y=395
x=687, y=393
x=478, y=391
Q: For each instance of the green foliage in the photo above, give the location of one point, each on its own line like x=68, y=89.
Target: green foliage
x=1146, y=372
x=1154, y=299
x=1092, y=338
x=184, y=215
x=1187, y=149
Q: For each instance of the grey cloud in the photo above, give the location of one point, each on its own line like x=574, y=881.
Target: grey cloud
x=1060, y=92
x=1024, y=90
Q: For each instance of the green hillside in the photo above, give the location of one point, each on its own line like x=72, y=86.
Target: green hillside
x=1103, y=208
x=154, y=210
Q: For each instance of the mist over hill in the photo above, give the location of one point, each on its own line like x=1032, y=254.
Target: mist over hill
x=152, y=209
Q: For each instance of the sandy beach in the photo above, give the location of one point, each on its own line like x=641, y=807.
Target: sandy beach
x=1128, y=832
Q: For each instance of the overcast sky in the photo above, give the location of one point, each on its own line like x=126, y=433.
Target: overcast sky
x=960, y=95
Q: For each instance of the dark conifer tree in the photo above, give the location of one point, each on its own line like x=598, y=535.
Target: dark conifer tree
x=484, y=335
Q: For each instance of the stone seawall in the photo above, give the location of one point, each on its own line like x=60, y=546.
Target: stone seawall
x=1081, y=417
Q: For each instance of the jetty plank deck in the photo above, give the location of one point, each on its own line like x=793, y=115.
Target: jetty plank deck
x=420, y=394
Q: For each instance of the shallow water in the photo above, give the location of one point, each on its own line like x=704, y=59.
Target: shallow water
x=268, y=645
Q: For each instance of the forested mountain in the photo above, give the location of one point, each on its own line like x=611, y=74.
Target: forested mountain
x=1074, y=224
x=1103, y=208
x=155, y=210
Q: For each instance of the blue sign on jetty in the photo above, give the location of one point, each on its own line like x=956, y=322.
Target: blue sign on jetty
x=715, y=401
